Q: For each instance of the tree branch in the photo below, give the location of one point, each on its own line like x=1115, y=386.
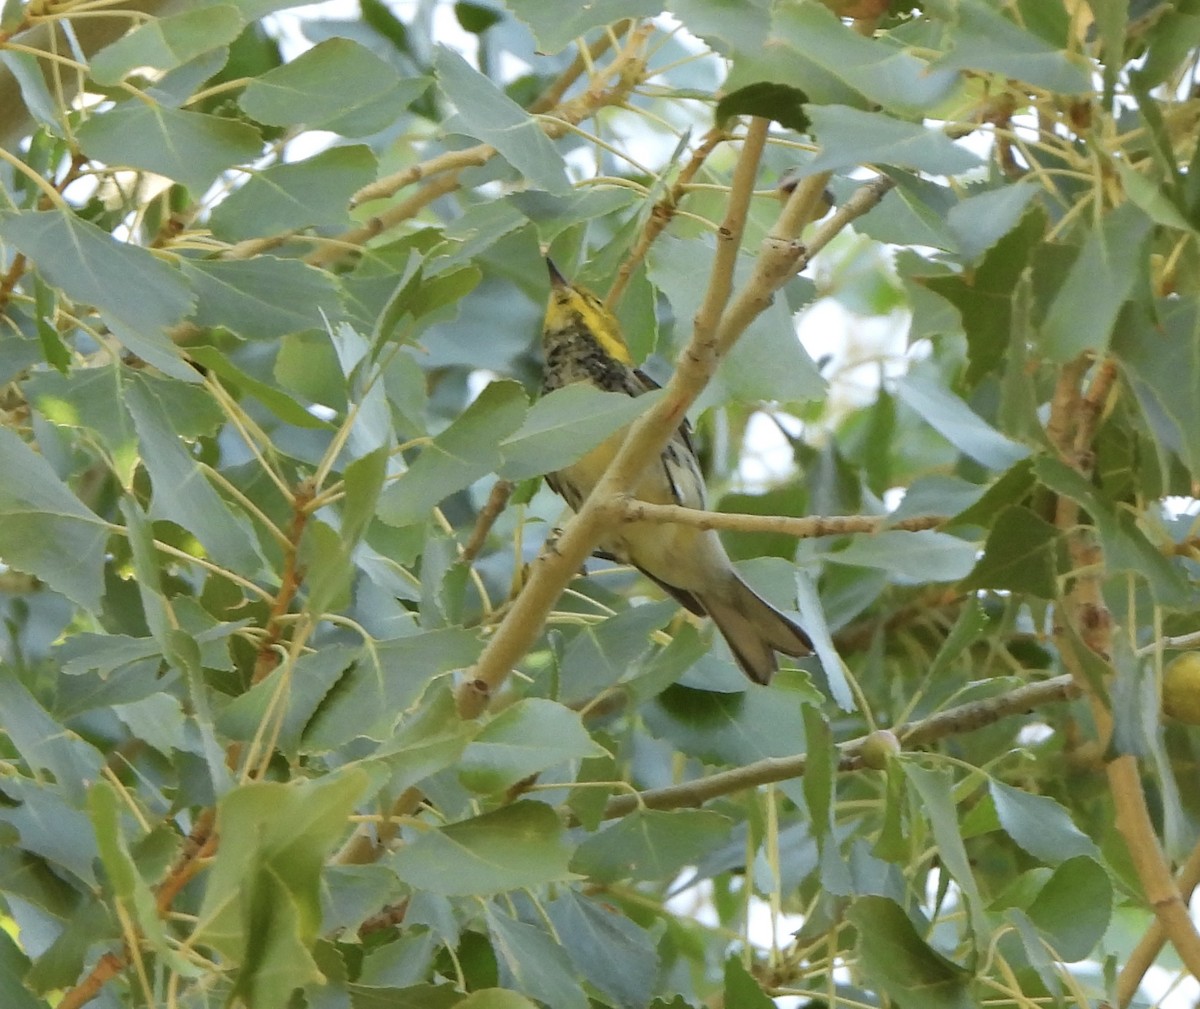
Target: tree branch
x=952, y=721
x=1151, y=943
x=802, y=527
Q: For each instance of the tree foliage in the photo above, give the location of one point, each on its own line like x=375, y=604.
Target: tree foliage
x=299, y=703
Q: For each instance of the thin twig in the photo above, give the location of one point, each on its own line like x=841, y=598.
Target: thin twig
x=952, y=721
x=662, y=213
x=496, y=503
x=805, y=527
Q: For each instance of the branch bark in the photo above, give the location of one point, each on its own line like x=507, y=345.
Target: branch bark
x=802, y=527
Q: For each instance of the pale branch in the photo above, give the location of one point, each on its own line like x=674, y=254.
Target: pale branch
x=496, y=503
x=953, y=721
x=1145, y=953
x=805, y=527
x=1150, y=861
x=350, y=241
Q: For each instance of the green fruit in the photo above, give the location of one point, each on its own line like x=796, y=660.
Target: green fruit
x=878, y=748
x=1181, y=688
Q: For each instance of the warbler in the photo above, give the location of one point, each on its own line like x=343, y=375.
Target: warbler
x=582, y=342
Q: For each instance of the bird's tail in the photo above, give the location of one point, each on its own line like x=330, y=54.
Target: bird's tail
x=755, y=630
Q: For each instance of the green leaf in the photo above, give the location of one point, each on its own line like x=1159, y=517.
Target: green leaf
x=600, y=654
x=958, y=423
x=850, y=137
x=466, y=451
x=353, y=893
x=189, y=147
x=168, y=42
x=475, y=17
x=729, y=729
x=276, y=400
x=886, y=74
x=556, y=26
x=935, y=798
x=819, y=771
x=983, y=39
x=726, y=25
x=130, y=286
x=45, y=530
x=779, y=102
x=607, y=949
x=14, y=966
x=911, y=557
x=127, y=883
x=488, y=114
x=566, y=423
x=768, y=362
x=517, y=846
x=308, y=683
x=1072, y=910
x=1103, y=277
x=1154, y=197
x=742, y=989
x=147, y=574
x=1162, y=362
x=92, y=400
x=904, y=965
x=594, y=784
x=1011, y=487
x=50, y=824
x=368, y=95
x=1039, y=825
x=979, y=222
x=524, y=739
x=650, y=844
x=182, y=493
x=27, y=72
x=494, y=998
x=370, y=698
x=533, y=962
x=262, y=298
x=261, y=908
x=42, y=743
x=313, y=193
x=1020, y=556
x=431, y=739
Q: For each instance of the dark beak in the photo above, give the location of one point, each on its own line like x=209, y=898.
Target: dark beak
x=556, y=278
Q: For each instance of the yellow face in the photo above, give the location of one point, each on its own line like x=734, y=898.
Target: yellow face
x=573, y=308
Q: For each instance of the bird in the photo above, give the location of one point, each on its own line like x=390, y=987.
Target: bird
x=583, y=342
